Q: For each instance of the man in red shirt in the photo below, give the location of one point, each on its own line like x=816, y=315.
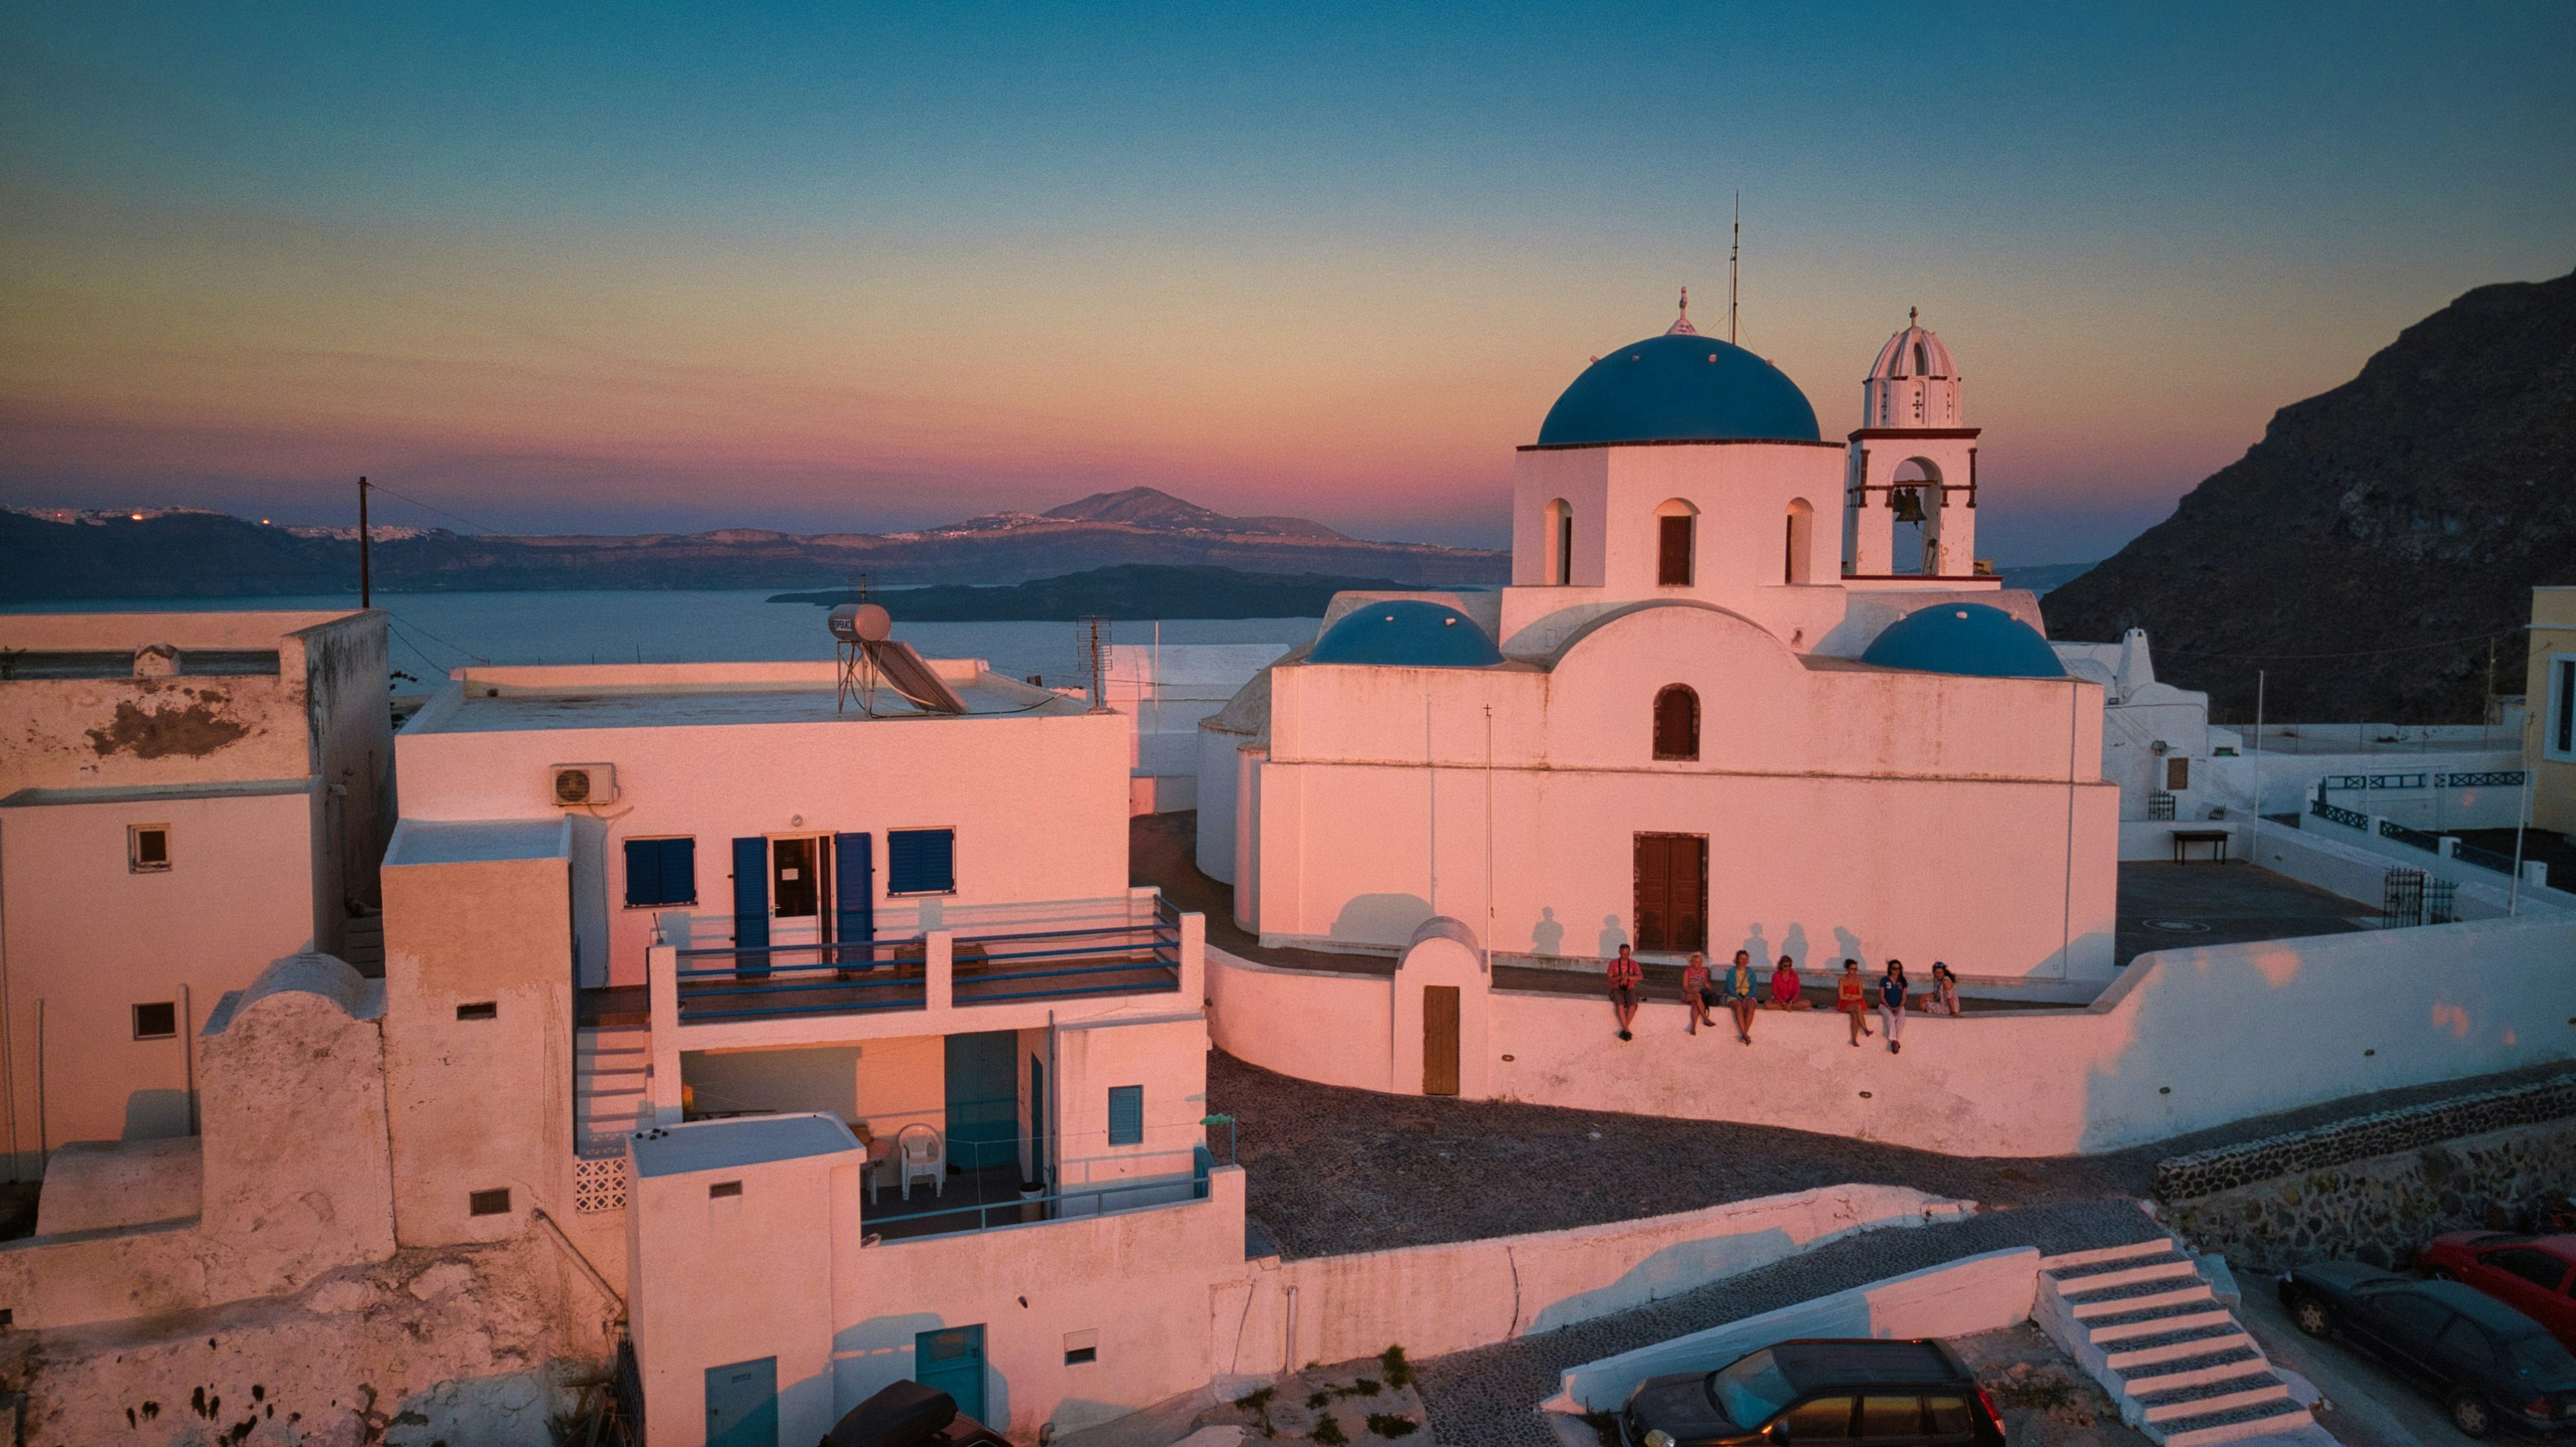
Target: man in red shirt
x=1625, y=975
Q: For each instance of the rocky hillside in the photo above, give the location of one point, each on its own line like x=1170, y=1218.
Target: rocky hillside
x=188, y=554
x=2396, y=524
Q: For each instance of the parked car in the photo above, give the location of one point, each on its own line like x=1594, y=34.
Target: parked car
x=2491, y=1365
x=2527, y=1273
x=1893, y=1392
x=909, y=1414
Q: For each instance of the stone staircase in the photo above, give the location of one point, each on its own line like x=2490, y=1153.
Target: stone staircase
x=363, y=949
x=2144, y=1323
x=609, y=1090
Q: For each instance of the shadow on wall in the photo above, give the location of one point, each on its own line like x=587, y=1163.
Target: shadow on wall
x=1381, y=919
x=877, y=1353
x=1612, y=936
x=1547, y=937
x=1682, y=1266
x=152, y=1115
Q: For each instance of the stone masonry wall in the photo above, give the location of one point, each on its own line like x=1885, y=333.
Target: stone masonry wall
x=472, y=1346
x=2382, y=1209
x=2363, y=1137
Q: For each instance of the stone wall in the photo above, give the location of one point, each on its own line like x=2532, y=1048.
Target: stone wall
x=2381, y=1210
x=2362, y=1137
x=488, y=1345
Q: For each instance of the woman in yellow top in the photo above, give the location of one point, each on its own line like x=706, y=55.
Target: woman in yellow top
x=1738, y=991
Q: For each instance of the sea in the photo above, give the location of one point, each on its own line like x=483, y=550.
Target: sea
x=435, y=632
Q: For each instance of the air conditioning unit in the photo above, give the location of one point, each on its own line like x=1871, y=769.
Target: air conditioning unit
x=579, y=784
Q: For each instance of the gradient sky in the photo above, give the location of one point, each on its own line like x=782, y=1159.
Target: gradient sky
x=860, y=266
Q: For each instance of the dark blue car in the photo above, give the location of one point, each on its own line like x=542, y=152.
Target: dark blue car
x=2491, y=1365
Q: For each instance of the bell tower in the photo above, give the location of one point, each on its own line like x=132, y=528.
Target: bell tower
x=1911, y=463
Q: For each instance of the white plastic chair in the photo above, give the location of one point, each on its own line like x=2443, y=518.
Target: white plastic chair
x=921, y=1153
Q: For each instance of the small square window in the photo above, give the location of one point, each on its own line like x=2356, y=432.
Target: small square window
x=1081, y=1346
x=488, y=1203
x=1126, y=1115
x=158, y=1021
x=724, y=1188
x=921, y=861
x=2177, y=775
x=147, y=848
x=479, y=1010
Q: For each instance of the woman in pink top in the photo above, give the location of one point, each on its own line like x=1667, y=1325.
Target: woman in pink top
x=1788, y=992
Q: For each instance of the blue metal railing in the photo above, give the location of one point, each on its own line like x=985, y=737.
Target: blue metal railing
x=2508, y=779
x=2483, y=858
x=2391, y=829
x=2337, y=814
x=774, y=981
x=1088, y=1200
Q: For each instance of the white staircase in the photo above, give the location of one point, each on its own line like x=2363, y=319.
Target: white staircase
x=2142, y=1320
x=609, y=1092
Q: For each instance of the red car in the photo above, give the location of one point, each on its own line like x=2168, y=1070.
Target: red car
x=2527, y=1273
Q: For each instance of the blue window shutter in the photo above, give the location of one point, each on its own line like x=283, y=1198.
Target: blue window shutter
x=854, y=888
x=750, y=893
x=1126, y=1115
x=921, y=861
x=679, y=871
x=643, y=872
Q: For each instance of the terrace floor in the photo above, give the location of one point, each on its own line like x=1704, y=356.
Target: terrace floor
x=1330, y=1170
x=2161, y=906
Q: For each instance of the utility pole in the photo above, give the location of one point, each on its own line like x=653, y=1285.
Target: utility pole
x=2258, y=749
x=366, y=589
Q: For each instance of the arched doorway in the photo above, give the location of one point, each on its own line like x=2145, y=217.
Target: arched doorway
x=1916, y=499
x=1558, y=544
x=1799, y=545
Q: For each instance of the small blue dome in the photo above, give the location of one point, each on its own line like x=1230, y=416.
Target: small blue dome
x=1969, y=638
x=1406, y=634
x=1680, y=388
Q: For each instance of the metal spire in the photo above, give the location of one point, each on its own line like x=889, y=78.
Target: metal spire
x=1682, y=327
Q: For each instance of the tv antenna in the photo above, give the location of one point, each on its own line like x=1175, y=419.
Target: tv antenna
x=1734, y=253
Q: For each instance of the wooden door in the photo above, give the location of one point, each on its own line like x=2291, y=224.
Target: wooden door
x=1672, y=892
x=1439, y=1040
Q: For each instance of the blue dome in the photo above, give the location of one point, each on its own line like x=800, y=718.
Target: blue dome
x=1680, y=388
x=1970, y=638
x=1406, y=634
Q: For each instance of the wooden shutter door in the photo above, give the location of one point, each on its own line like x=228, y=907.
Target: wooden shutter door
x=751, y=903
x=1688, y=902
x=1654, y=889
x=1439, y=1040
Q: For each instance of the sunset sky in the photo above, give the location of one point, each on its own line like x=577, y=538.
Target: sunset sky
x=861, y=266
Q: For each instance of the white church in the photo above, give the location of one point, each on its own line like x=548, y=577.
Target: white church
x=1691, y=722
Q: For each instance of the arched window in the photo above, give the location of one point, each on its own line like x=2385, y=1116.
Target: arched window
x=1800, y=542
x=1676, y=543
x=1559, y=543
x=1677, y=722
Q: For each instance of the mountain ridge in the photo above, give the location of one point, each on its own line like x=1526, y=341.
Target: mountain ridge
x=183, y=553
x=2383, y=535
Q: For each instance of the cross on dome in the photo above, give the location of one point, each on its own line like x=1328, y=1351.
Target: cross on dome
x=1683, y=327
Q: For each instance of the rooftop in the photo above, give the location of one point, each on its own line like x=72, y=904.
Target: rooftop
x=719, y=1145
x=148, y=793
x=478, y=841
x=518, y=700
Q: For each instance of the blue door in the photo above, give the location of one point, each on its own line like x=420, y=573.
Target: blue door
x=751, y=904
x=983, y=1099
x=742, y=1403
x=952, y=1361
x=1039, y=1165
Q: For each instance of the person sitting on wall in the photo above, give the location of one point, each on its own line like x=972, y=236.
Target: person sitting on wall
x=1851, y=997
x=1944, y=997
x=1891, y=1005
x=1788, y=992
x=1696, y=992
x=1738, y=991
x=1625, y=975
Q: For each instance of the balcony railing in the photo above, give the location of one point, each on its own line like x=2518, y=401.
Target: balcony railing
x=1077, y=950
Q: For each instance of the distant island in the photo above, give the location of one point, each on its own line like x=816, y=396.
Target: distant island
x=1126, y=591
x=188, y=553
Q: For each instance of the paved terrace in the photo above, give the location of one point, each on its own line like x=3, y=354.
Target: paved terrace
x=1331, y=1170
x=2161, y=906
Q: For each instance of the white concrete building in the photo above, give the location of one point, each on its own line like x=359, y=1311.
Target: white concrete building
x=1687, y=724
x=183, y=798
x=910, y=930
